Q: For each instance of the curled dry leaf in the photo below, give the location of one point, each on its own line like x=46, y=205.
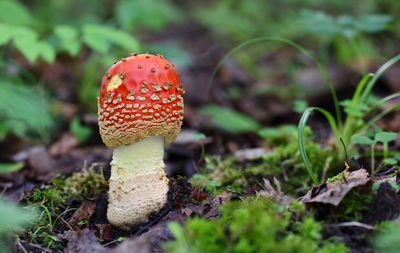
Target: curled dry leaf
x=275, y=194
x=209, y=208
x=333, y=192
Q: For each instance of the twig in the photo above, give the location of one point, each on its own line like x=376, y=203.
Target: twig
x=345, y=153
x=66, y=223
x=355, y=224
x=19, y=244
x=235, y=192
x=355, y=162
x=37, y=246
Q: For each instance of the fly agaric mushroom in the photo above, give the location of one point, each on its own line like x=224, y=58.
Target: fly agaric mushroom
x=140, y=110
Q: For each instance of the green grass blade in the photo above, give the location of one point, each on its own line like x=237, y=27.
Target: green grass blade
x=293, y=44
x=350, y=118
x=379, y=116
x=360, y=88
x=302, y=125
x=378, y=74
x=381, y=102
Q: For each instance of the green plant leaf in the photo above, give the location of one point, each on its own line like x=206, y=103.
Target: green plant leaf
x=47, y=52
x=372, y=23
x=199, y=136
x=14, y=13
x=229, y=120
x=198, y=176
x=361, y=139
x=69, y=41
x=214, y=183
x=319, y=23
x=80, y=131
x=390, y=161
x=385, y=136
x=269, y=132
x=24, y=109
x=151, y=14
x=6, y=32
x=100, y=38
x=300, y=105
x=26, y=41
x=11, y=167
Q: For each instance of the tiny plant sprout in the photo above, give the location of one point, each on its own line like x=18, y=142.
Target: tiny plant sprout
x=382, y=137
x=140, y=110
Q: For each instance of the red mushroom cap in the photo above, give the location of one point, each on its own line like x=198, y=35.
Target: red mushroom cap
x=140, y=96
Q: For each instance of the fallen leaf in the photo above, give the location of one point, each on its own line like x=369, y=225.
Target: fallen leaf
x=67, y=142
x=198, y=195
x=186, y=211
x=140, y=244
x=105, y=231
x=85, y=241
x=82, y=241
x=333, y=192
x=275, y=194
x=84, y=212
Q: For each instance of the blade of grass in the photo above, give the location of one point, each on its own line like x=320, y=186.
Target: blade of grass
x=381, y=102
x=293, y=44
x=301, y=127
x=350, y=118
x=379, y=116
x=378, y=74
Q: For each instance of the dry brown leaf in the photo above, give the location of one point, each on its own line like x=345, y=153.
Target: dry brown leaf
x=82, y=241
x=275, y=194
x=67, y=142
x=85, y=241
x=333, y=192
x=84, y=212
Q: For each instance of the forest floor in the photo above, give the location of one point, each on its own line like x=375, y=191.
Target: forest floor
x=67, y=181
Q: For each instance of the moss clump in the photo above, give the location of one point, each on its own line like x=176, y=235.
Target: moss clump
x=84, y=185
x=59, y=200
x=284, y=162
x=251, y=225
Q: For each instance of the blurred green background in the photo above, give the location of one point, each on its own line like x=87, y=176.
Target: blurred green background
x=53, y=53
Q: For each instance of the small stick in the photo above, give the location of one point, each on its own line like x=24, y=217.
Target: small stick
x=355, y=162
x=355, y=224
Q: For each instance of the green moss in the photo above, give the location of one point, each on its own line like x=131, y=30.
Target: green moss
x=284, y=162
x=86, y=184
x=251, y=225
x=353, y=206
x=51, y=203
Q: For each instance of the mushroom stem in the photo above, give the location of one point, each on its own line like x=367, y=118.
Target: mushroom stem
x=138, y=183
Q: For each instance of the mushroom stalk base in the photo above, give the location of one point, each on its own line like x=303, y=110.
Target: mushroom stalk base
x=138, y=183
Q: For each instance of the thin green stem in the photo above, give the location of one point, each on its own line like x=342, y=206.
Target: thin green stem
x=378, y=73
x=348, y=125
x=298, y=47
x=381, y=102
x=385, y=150
x=373, y=158
x=378, y=117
